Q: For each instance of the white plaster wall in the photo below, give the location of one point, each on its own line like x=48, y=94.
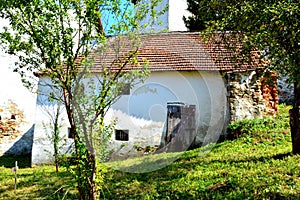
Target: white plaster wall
x=147, y=105
x=171, y=20
x=11, y=88
x=177, y=9
x=42, y=149
x=144, y=111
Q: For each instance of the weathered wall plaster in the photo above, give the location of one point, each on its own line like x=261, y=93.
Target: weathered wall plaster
x=143, y=112
x=15, y=134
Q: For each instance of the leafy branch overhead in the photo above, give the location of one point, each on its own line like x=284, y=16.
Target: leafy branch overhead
x=60, y=40
x=54, y=34
x=271, y=27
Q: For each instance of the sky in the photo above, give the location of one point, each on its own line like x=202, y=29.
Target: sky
x=109, y=17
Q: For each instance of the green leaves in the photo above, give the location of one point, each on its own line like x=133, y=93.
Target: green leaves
x=270, y=26
x=60, y=39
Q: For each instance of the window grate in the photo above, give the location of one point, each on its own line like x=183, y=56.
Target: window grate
x=70, y=133
x=122, y=135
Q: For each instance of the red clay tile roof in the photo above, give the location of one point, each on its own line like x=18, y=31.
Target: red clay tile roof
x=172, y=51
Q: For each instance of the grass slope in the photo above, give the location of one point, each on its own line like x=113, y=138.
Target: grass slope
x=257, y=165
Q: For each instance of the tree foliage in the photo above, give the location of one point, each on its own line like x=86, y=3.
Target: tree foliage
x=57, y=38
x=203, y=12
x=269, y=26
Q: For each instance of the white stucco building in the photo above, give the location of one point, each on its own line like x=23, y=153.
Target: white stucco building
x=184, y=71
x=190, y=93
x=131, y=113
x=17, y=100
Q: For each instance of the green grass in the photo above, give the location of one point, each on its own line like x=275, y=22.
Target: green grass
x=256, y=165
x=9, y=161
x=36, y=183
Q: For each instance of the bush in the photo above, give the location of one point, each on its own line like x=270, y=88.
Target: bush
x=263, y=128
x=67, y=160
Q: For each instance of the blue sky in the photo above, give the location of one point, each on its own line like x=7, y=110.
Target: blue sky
x=109, y=17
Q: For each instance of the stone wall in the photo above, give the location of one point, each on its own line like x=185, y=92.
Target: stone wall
x=15, y=133
x=251, y=95
x=270, y=93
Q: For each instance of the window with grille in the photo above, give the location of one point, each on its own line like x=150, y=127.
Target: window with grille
x=70, y=134
x=126, y=89
x=122, y=135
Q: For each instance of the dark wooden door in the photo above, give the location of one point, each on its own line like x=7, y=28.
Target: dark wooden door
x=181, y=126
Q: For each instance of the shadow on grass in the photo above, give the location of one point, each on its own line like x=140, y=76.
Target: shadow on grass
x=9, y=161
x=161, y=182
x=39, y=183
x=281, y=156
x=49, y=185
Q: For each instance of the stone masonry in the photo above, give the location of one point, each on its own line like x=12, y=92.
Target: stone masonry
x=252, y=94
x=15, y=135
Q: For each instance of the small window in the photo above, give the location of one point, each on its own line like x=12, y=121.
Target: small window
x=122, y=135
x=126, y=89
x=70, y=133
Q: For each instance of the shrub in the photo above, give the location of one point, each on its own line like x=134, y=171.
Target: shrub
x=263, y=128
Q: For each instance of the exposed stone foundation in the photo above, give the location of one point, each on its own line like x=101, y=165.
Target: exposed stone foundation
x=10, y=120
x=270, y=93
x=252, y=94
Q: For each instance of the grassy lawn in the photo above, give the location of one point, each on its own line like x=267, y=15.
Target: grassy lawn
x=35, y=183
x=257, y=165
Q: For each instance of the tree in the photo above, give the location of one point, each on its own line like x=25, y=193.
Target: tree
x=269, y=26
x=53, y=108
x=203, y=12
x=59, y=38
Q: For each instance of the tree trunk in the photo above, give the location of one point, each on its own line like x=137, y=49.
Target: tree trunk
x=92, y=178
x=56, y=139
x=86, y=171
x=294, y=118
x=79, y=159
x=56, y=159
